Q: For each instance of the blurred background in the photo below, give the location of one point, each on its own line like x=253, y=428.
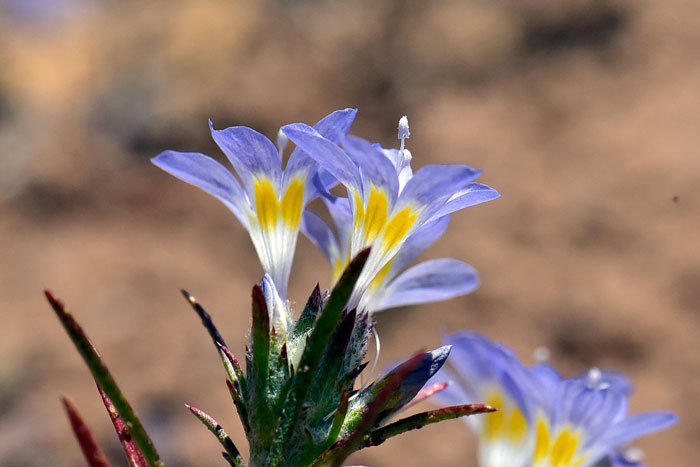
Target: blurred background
x=583, y=114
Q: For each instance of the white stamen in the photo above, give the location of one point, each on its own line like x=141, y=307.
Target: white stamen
x=282, y=141
x=404, y=154
x=405, y=157
x=541, y=354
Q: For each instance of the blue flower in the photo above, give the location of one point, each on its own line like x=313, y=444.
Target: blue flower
x=396, y=212
x=544, y=420
x=271, y=201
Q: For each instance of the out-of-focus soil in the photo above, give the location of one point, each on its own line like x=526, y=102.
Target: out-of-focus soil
x=584, y=115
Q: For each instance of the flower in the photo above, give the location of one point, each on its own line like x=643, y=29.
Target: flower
x=544, y=420
x=396, y=212
x=271, y=202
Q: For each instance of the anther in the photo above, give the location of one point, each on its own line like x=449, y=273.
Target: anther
x=404, y=132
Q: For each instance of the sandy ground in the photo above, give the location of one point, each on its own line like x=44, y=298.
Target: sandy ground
x=584, y=115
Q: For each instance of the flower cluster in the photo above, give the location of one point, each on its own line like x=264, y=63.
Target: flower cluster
x=297, y=397
x=388, y=207
x=544, y=420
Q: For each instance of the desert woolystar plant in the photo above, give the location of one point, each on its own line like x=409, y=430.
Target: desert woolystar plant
x=296, y=390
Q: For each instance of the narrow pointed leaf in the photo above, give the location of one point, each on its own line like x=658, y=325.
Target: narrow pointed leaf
x=422, y=369
x=314, y=350
x=205, y=317
x=259, y=370
x=339, y=417
x=234, y=371
x=308, y=315
x=357, y=348
x=232, y=453
x=105, y=381
x=235, y=364
x=131, y=449
x=324, y=389
x=240, y=407
x=94, y=456
x=219, y=343
x=417, y=421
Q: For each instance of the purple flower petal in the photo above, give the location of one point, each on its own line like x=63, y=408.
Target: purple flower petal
x=326, y=153
x=376, y=168
x=433, y=185
x=480, y=365
x=206, y=173
x=430, y=281
x=335, y=125
x=419, y=241
x=474, y=193
x=320, y=234
x=332, y=127
x=251, y=154
x=635, y=426
x=341, y=213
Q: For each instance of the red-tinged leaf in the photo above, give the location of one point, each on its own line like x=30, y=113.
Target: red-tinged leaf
x=417, y=421
x=238, y=376
x=425, y=393
x=204, y=316
x=232, y=455
x=94, y=456
x=422, y=369
x=105, y=381
x=131, y=449
x=240, y=406
x=258, y=375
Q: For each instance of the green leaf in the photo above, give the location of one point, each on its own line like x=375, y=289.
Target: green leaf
x=308, y=315
x=94, y=456
x=339, y=417
x=232, y=454
x=236, y=390
x=325, y=391
x=105, y=381
x=357, y=348
x=418, y=421
x=240, y=407
x=131, y=450
x=259, y=371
